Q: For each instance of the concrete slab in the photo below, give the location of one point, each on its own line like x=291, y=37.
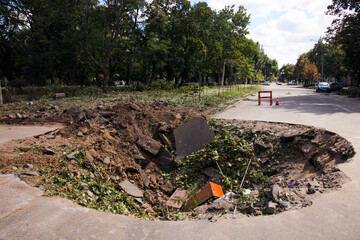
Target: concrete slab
x=49, y=218
x=192, y=136
x=9, y=133
x=15, y=194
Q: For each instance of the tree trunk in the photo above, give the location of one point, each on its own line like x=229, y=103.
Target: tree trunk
x=1, y=97
x=106, y=79
x=223, y=75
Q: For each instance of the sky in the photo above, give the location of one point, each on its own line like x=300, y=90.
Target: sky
x=285, y=28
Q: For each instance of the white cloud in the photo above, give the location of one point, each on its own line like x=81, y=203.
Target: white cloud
x=292, y=28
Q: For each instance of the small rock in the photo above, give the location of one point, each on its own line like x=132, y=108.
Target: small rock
x=71, y=155
x=167, y=187
x=144, y=179
x=259, y=146
x=275, y=192
x=148, y=208
x=80, y=134
x=89, y=193
x=31, y=173
x=48, y=151
x=107, y=160
x=131, y=189
x=85, y=186
x=149, y=144
x=311, y=190
x=28, y=166
x=284, y=204
x=135, y=107
x=271, y=207
x=139, y=200
x=165, y=162
x=153, y=178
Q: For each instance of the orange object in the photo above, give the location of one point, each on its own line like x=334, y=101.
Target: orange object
x=277, y=101
x=205, y=193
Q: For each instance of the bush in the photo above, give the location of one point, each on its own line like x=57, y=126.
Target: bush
x=161, y=84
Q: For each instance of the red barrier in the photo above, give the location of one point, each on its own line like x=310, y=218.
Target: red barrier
x=260, y=97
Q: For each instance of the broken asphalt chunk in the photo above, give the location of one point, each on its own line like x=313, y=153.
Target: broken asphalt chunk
x=131, y=189
x=149, y=144
x=192, y=136
x=177, y=199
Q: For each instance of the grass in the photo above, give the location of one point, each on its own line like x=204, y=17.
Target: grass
x=209, y=96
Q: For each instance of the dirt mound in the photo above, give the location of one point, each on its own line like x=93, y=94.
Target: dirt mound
x=121, y=159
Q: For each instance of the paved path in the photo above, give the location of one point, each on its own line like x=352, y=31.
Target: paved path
x=8, y=133
x=335, y=215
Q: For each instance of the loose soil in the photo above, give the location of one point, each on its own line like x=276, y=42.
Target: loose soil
x=133, y=141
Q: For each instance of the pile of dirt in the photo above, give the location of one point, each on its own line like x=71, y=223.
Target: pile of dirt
x=130, y=147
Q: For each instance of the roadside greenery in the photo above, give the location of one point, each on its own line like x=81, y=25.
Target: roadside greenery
x=184, y=96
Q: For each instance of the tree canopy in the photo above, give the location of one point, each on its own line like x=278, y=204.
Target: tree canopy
x=91, y=42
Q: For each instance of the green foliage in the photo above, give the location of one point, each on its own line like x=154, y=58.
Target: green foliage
x=86, y=186
x=22, y=149
x=161, y=84
x=227, y=152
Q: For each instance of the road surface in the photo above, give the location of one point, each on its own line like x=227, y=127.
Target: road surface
x=334, y=215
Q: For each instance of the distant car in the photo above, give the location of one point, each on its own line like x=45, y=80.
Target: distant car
x=323, y=87
x=265, y=83
x=278, y=83
x=335, y=86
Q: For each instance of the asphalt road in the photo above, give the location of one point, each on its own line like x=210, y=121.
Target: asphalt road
x=334, y=215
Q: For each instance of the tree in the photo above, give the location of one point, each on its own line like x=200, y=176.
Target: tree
x=345, y=32
x=306, y=70
x=287, y=72
x=103, y=26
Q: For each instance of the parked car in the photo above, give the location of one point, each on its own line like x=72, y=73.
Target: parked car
x=323, y=87
x=278, y=83
x=265, y=83
x=335, y=86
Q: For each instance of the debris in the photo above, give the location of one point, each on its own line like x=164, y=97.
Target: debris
x=149, y=144
x=271, y=207
x=106, y=160
x=246, y=193
x=80, y=134
x=177, y=199
x=71, y=155
x=192, y=136
x=212, y=175
x=206, y=192
x=227, y=197
x=57, y=96
x=30, y=173
x=131, y=189
x=48, y=151
x=144, y=179
x=165, y=161
x=275, y=192
x=166, y=141
x=292, y=184
x=28, y=166
x=284, y=204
